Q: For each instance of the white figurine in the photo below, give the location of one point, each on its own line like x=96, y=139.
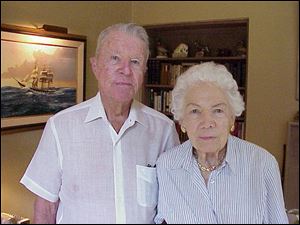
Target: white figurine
x=181, y=51
x=161, y=51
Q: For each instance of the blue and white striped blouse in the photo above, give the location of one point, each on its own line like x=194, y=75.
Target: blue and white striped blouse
x=246, y=188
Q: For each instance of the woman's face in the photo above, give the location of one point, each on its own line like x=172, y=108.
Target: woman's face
x=207, y=117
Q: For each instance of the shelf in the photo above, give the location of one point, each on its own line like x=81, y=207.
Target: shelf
x=226, y=37
x=193, y=59
x=198, y=24
x=163, y=86
x=238, y=119
x=166, y=86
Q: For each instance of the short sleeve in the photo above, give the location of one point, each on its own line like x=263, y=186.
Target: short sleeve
x=275, y=209
x=173, y=139
x=43, y=175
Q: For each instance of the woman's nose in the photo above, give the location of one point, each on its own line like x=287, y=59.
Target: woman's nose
x=207, y=120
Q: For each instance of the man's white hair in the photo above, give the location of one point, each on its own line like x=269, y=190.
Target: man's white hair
x=129, y=28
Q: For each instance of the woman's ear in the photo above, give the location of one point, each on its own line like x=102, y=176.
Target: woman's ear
x=232, y=123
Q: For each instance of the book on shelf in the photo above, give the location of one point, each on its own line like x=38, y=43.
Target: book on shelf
x=160, y=100
x=165, y=73
x=151, y=98
x=238, y=70
x=239, y=129
x=154, y=71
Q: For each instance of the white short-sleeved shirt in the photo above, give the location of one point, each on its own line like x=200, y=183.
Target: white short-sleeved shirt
x=100, y=176
x=245, y=189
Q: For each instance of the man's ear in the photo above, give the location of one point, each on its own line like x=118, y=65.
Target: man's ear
x=93, y=61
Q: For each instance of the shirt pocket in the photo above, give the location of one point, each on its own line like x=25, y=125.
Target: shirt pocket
x=147, y=186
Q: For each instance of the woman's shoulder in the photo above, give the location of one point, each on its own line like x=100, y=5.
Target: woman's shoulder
x=249, y=149
x=174, y=156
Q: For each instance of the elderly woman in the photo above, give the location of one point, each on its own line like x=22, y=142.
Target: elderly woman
x=215, y=177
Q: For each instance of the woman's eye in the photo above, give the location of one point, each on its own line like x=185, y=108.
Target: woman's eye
x=219, y=110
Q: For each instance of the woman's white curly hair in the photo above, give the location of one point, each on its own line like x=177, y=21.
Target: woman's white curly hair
x=211, y=72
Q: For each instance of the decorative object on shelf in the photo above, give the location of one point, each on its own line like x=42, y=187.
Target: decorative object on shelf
x=161, y=51
x=201, y=50
x=181, y=51
x=241, y=49
x=224, y=52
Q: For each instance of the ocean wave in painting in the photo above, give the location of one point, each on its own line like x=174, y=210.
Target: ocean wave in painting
x=25, y=102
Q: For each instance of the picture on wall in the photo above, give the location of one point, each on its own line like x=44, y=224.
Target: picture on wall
x=40, y=75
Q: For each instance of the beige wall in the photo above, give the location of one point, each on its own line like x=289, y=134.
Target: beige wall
x=273, y=44
x=83, y=18
x=272, y=63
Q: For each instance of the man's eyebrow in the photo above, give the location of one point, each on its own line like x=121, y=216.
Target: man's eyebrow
x=192, y=104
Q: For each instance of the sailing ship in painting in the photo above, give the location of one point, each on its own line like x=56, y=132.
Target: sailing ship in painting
x=38, y=80
x=36, y=94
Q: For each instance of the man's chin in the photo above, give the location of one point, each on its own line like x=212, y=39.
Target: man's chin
x=124, y=97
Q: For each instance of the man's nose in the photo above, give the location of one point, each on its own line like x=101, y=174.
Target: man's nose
x=126, y=68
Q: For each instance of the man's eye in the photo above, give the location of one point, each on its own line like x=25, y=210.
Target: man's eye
x=135, y=61
x=115, y=58
x=194, y=111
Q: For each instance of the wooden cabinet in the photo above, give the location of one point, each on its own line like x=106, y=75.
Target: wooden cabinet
x=291, y=167
x=223, y=42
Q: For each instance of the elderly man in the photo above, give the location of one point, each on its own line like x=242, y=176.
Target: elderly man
x=96, y=161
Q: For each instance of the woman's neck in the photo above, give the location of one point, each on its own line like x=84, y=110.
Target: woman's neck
x=209, y=161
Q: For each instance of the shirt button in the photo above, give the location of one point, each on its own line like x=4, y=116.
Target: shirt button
x=212, y=181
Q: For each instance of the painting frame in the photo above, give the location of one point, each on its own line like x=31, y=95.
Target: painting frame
x=34, y=36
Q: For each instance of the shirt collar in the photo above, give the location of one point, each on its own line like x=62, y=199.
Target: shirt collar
x=96, y=111
x=231, y=153
x=187, y=155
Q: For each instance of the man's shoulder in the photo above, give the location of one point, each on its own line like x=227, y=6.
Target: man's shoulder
x=154, y=114
x=75, y=109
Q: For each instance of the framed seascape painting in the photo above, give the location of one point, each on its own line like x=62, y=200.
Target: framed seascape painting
x=42, y=73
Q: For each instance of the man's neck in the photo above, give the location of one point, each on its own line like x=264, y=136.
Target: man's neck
x=116, y=112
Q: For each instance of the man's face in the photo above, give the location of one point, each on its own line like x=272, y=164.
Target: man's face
x=120, y=66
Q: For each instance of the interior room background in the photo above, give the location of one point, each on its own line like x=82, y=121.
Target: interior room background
x=272, y=66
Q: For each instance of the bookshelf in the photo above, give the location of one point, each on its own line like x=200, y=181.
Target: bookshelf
x=222, y=41
x=291, y=167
